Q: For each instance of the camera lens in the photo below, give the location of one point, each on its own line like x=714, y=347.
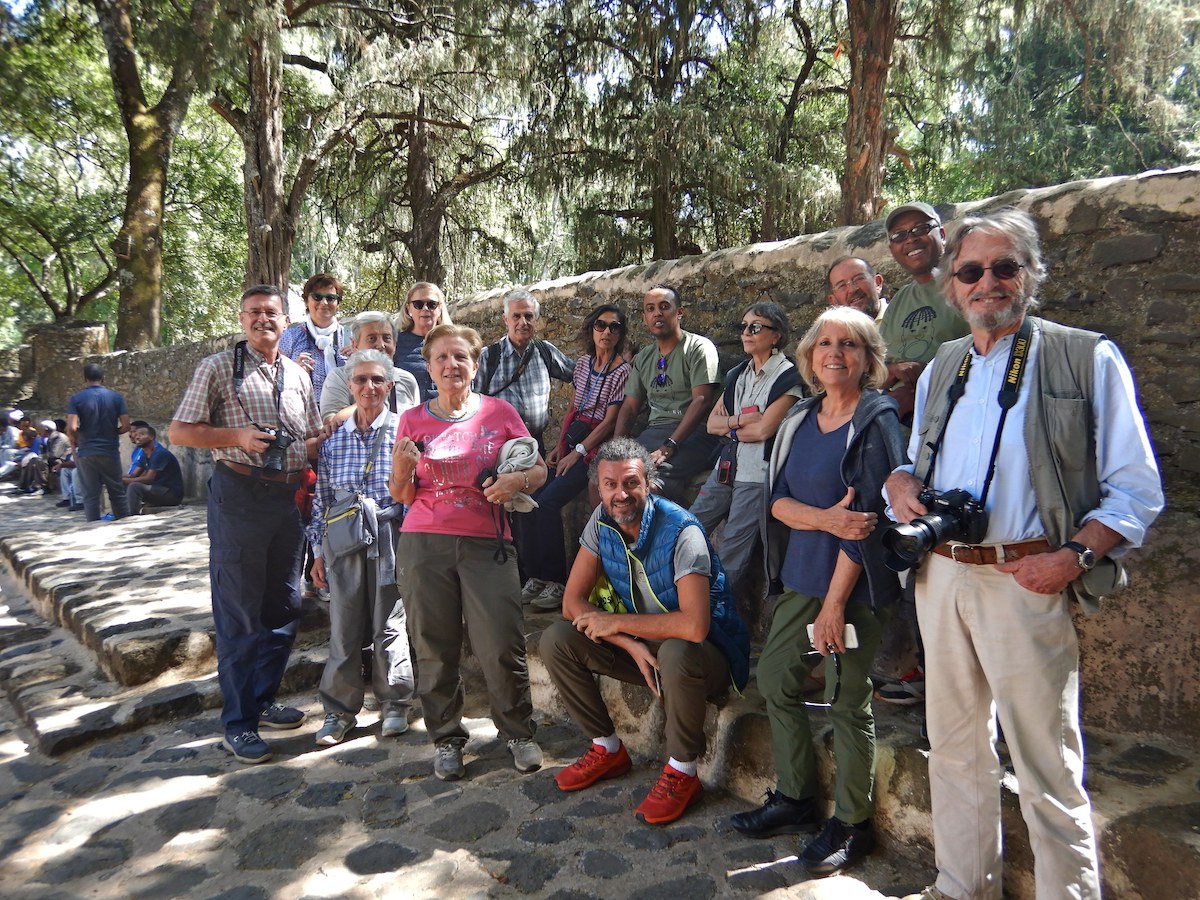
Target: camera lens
x=906, y=544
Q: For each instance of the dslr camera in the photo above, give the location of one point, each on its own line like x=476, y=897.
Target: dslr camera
x=275, y=456
x=953, y=516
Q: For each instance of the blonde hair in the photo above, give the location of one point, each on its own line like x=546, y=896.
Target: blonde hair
x=405, y=319
x=862, y=328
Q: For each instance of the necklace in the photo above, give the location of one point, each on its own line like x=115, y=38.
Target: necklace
x=443, y=413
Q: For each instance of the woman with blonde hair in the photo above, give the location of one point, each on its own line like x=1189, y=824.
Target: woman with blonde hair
x=424, y=308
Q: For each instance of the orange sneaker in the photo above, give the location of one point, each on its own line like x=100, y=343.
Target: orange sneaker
x=593, y=766
x=673, y=793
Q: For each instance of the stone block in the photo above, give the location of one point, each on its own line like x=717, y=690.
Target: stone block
x=1130, y=248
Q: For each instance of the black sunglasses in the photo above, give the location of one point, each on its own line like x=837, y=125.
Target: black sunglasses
x=601, y=325
x=662, y=379
x=899, y=237
x=425, y=304
x=325, y=298
x=753, y=327
x=1004, y=270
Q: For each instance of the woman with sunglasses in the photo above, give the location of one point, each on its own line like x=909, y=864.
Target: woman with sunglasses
x=832, y=454
x=599, y=382
x=316, y=342
x=758, y=393
x=424, y=307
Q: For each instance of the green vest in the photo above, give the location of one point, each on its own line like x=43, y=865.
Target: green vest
x=1059, y=438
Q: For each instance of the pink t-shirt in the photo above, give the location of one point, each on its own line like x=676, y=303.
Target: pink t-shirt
x=448, y=500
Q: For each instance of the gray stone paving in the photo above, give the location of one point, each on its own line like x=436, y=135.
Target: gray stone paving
x=113, y=786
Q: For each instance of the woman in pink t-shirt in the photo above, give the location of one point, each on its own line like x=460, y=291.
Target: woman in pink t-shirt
x=449, y=565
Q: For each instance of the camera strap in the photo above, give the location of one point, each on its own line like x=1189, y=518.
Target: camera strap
x=1007, y=398
x=239, y=378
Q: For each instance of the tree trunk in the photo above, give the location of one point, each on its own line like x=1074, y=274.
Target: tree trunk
x=425, y=243
x=139, y=242
x=872, y=36
x=662, y=210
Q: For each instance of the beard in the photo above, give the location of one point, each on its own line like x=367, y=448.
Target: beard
x=995, y=319
x=626, y=514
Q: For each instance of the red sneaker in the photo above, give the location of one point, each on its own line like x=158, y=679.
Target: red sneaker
x=671, y=795
x=593, y=766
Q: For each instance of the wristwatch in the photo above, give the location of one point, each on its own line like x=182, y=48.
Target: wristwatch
x=580, y=449
x=1085, y=556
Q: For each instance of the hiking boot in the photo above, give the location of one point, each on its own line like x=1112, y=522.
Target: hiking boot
x=780, y=814
x=550, y=599
x=335, y=729
x=906, y=690
x=247, y=747
x=593, y=766
x=280, y=717
x=838, y=847
x=673, y=793
x=448, y=760
x=527, y=755
x=533, y=587
x=395, y=721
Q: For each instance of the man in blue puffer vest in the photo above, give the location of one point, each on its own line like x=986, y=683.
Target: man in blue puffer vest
x=675, y=628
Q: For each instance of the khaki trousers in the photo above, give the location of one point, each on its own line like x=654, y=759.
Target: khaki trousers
x=992, y=646
x=690, y=673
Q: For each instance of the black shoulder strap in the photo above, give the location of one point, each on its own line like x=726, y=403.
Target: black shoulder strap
x=491, y=359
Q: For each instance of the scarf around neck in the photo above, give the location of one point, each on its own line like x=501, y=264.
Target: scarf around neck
x=326, y=340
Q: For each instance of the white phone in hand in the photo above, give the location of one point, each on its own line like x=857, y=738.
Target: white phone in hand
x=849, y=637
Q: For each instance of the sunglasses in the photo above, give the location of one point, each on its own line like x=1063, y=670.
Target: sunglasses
x=662, y=379
x=377, y=380
x=325, y=298
x=425, y=304
x=899, y=237
x=753, y=327
x=613, y=326
x=1003, y=270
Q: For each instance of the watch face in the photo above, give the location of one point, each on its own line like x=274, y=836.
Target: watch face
x=1087, y=559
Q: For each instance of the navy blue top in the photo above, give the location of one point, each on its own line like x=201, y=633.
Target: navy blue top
x=163, y=462
x=812, y=475
x=408, y=357
x=99, y=411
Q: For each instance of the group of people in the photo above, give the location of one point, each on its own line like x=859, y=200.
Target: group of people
x=996, y=459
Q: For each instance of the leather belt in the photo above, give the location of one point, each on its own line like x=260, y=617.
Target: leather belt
x=991, y=554
x=260, y=474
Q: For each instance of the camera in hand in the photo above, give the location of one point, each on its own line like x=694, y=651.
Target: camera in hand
x=953, y=516
x=275, y=456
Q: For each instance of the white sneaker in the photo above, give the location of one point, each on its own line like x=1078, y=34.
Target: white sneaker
x=335, y=729
x=550, y=599
x=395, y=721
x=527, y=755
x=533, y=587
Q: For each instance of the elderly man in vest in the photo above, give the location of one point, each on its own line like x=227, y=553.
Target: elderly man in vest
x=1075, y=486
x=673, y=627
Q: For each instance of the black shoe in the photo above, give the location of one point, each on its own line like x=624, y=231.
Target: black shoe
x=780, y=814
x=838, y=847
x=63, y=503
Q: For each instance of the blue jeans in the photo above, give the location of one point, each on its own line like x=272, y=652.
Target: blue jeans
x=255, y=548
x=543, y=528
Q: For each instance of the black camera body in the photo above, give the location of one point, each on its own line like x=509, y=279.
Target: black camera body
x=275, y=456
x=953, y=516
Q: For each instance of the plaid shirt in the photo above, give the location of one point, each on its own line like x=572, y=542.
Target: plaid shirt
x=529, y=394
x=210, y=399
x=343, y=459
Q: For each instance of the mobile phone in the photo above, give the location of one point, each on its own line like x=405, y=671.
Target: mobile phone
x=750, y=409
x=657, y=682
x=849, y=637
x=725, y=472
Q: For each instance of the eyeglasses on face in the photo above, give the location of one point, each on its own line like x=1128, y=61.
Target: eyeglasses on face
x=858, y=280
x=753, y=327
x=325, y=298
x=425, y=304
x=1003, y=270
x=899, y=237
x=377, y=380
x=608, y=325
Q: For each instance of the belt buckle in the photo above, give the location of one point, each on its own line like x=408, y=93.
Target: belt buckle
x=955, y=546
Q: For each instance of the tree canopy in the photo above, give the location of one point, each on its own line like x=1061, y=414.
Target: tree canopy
x=160, y=155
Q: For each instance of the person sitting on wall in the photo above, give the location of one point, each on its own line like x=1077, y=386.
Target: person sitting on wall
x=157, y=480
x=40, y=473
x=675, y=629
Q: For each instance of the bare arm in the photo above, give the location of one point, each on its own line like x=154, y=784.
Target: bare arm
x=829, y=628
x=690, y=622
x=210, y=437
x=629, y=410
x=702, y=399
x=401, y=483
x=719, y=420
x=763, y=425
x=1050, y=573
x=838, y=520
x=123, y=424
x=599, y=435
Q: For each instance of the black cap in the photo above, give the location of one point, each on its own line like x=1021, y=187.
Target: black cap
x=923, y=208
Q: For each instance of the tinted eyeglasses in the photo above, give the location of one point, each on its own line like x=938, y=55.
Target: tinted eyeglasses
x=753, y=327
x=608, y=325
x=325, y=298
x=425, y=304
x=899, y=237
x=1004, y=270
x=377, y=380
x=662, y=379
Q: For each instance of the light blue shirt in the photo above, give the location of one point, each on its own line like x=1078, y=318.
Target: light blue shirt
x=1130, y=487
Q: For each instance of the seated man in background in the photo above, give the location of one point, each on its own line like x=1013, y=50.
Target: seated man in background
x=678, y=631
x=155, y=478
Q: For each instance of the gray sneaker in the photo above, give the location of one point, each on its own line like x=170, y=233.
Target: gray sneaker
x=335, y=729
x=533, y=587
x=527, y=755
x=448, y=761
x=395, y=720
x=550, y=599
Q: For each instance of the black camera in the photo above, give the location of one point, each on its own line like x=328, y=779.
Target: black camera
x=953, y=516
x=275, y=456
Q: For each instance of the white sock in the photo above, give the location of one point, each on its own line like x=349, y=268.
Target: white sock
x=611, y=744
x=687, y=768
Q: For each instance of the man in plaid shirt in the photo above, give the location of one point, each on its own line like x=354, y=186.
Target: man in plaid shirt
x=254, y=530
